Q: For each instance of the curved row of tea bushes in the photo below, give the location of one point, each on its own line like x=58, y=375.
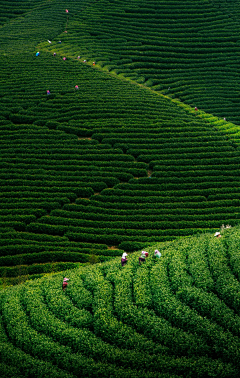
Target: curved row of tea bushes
x=53, y=256
x=129, y=216
x=27, y=271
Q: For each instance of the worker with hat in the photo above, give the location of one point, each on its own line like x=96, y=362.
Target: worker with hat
x=124, y=259
x=143, y=256
x=65, y=283
x=157, y=254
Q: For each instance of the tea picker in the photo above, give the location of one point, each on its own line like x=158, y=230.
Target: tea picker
x=124, y=259
x=65, y=283
x=157, y=254
x=142, y=258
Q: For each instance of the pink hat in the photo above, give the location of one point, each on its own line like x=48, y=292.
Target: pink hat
x=66, y=279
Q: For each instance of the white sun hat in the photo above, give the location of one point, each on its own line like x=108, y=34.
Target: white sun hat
x=217, y=233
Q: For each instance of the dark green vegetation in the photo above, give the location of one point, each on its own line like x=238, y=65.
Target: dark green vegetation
x=178, y=316
x=112, y=166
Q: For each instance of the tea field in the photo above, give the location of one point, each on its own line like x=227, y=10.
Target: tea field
x=177, y=316
x=102, y=151
x=93, y=164
x=188, y=50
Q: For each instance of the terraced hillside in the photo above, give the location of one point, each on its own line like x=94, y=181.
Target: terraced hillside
x=187, y=50
x=177, y=316
x=87, y=173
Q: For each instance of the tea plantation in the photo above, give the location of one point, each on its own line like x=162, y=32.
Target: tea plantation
x=177, y=316
x=103, y=151
x=91, y=163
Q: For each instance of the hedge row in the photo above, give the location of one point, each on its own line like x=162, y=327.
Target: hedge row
x=9, y=237
x=159, y=205
x=19, y=270
x=92, y=214
x=143, y=226
x=92, y=210
x=75, y=165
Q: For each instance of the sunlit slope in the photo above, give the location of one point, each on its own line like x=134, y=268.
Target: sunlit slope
x=178, y=316
x=185, y=49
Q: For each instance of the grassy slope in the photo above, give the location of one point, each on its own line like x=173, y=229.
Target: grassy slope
x=175, y=317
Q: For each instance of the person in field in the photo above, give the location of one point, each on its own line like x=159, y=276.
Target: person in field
x=48, y=92
x=217, y=234
x=76, y=87
x=157, y=254
x=124, y=259
x=37, y=53
x=196, y=108
x=142, y=258
x=64, y=58
x=54, y=54
x=65, y=283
